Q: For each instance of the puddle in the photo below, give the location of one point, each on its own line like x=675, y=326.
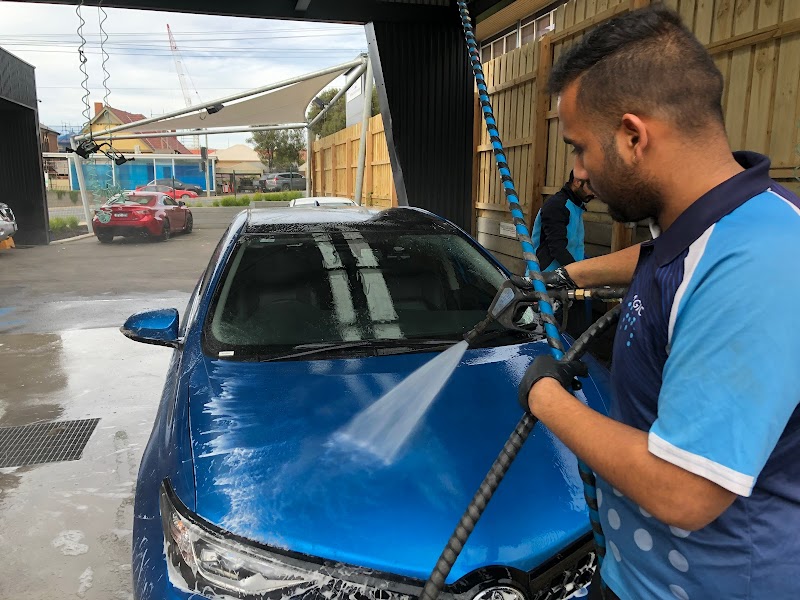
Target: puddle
x=75, y=517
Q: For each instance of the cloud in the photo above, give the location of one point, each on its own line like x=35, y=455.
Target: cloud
x=221, y=55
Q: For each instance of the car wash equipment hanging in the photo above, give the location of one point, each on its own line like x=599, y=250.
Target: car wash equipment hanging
x=502, y=311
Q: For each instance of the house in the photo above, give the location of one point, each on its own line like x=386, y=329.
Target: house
x=106, y=117
x=48, y=139
x=516, y=24
x=240, y=159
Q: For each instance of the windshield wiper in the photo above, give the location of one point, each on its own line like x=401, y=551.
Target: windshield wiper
x=318, y=348
x=325, y=347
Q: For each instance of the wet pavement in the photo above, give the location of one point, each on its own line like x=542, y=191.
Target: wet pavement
x=65, y=527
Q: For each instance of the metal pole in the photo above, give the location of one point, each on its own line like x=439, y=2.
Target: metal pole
x=309, y=170
x=253, y=92
x=81, y=184
x=208, y=171
x=354, y=76
x=362, y=145
x=207, y=132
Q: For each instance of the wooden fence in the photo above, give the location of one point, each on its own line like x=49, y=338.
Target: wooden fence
x=756, y=45
x=334, y=162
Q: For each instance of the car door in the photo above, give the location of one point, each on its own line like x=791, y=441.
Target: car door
x=176, y=216
x=298, y=182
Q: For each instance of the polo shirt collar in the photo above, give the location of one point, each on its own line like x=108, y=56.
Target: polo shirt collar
x=712, y=206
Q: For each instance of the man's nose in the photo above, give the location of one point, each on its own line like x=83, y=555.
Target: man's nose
x=578, y=170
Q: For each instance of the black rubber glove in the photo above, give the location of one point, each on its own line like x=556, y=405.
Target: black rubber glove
x=559, y=280
x=565, y=373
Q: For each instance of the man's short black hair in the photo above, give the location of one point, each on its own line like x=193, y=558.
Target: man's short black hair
x=645, y=62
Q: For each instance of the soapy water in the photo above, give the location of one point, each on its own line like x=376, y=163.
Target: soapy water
x=386, y=425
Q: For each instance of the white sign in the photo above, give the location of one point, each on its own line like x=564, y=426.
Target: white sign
x=355, y=90
x=508, y=230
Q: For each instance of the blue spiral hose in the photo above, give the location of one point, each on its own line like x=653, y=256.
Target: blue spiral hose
x=469, y=519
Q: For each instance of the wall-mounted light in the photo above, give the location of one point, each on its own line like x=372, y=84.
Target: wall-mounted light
x=214, y=109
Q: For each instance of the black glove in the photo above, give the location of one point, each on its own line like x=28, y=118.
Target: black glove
x=547, y=366
x=559, y=279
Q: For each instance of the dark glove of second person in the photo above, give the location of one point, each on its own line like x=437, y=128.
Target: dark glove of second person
x=559, y=279
x=547, y=366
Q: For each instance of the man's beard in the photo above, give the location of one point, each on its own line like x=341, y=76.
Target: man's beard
x=629, y=196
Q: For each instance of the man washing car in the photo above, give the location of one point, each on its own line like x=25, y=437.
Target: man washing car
x=698, y=477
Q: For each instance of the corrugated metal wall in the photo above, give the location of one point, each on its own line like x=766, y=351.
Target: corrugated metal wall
x=426, y=94
x=21, y=174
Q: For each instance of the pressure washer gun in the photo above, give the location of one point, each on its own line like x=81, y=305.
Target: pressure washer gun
x=517, y=294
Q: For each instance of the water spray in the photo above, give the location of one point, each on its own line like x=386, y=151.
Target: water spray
x=511, y=296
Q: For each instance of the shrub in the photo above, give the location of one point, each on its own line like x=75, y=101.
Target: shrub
x=258, y=197
x=74, y=196
x=231, y=201
x=59, y=194
x=58, y=224
x=72, y=222
x=215, y=203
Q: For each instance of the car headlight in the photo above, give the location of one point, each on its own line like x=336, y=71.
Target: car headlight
x=208, y=560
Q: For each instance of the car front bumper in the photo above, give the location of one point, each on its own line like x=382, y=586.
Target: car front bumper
x=7, y=229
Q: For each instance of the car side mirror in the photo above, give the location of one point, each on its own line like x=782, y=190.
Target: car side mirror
x=181, y=203
x=158, y=327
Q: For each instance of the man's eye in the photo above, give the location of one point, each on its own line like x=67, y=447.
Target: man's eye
x=577, y=150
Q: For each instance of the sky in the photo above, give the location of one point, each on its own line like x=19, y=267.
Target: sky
x=221, y=56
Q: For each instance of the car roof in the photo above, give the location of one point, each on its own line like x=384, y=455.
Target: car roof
x=298, y=219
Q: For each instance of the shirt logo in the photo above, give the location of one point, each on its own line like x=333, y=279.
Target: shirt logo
x=632, y=315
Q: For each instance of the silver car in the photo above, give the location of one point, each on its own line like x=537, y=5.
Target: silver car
x=327, y=201
x=8, y=224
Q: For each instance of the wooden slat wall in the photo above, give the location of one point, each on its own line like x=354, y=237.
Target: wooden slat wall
x=335, y=160
x=511, y=80
x=755, y=44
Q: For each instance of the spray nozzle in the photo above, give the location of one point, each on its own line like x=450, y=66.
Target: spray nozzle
x=512, y=299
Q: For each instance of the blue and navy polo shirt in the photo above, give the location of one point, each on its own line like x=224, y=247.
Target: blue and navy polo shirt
x=707, y=361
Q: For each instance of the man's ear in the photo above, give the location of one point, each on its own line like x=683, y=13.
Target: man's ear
x=632, y=138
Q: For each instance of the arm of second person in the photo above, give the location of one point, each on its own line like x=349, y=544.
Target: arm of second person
x=611, y=269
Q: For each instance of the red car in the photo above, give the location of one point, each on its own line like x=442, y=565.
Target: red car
x=141, y=214
x=165, y=189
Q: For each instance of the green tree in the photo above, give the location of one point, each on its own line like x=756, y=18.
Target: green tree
x=279, y=150
x=336, y=117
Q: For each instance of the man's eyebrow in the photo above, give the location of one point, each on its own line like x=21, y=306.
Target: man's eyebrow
x=569, y=141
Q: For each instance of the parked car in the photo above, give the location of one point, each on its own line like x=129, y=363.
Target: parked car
x=169, y=191
x=177, y=184
x=146, y=214
x=8, y=223
x=276, y=182
x=244, y=490
x=326, y=201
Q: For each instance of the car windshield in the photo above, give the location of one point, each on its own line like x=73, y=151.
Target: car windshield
x=283, y=291
x=132, y=199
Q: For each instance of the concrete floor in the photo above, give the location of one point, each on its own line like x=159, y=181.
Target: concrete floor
x=65, y=528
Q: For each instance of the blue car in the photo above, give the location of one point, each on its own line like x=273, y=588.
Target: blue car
x=257, y=481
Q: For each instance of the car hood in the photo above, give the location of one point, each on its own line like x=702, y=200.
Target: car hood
x=270, y=464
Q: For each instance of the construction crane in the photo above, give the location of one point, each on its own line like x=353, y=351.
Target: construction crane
x=176, y=55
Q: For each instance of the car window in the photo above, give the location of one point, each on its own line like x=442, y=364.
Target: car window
x=169, y=201
x=284, y=290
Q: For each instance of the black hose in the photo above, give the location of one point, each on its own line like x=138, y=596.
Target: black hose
x=498, y=470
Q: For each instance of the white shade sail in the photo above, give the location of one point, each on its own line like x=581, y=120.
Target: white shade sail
x=285, y=105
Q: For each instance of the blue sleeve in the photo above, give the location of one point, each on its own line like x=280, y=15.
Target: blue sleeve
x=732, y=378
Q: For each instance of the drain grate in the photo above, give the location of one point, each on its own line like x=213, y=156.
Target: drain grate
x=40, y=443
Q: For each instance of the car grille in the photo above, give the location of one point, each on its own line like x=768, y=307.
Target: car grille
x=6, y=213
